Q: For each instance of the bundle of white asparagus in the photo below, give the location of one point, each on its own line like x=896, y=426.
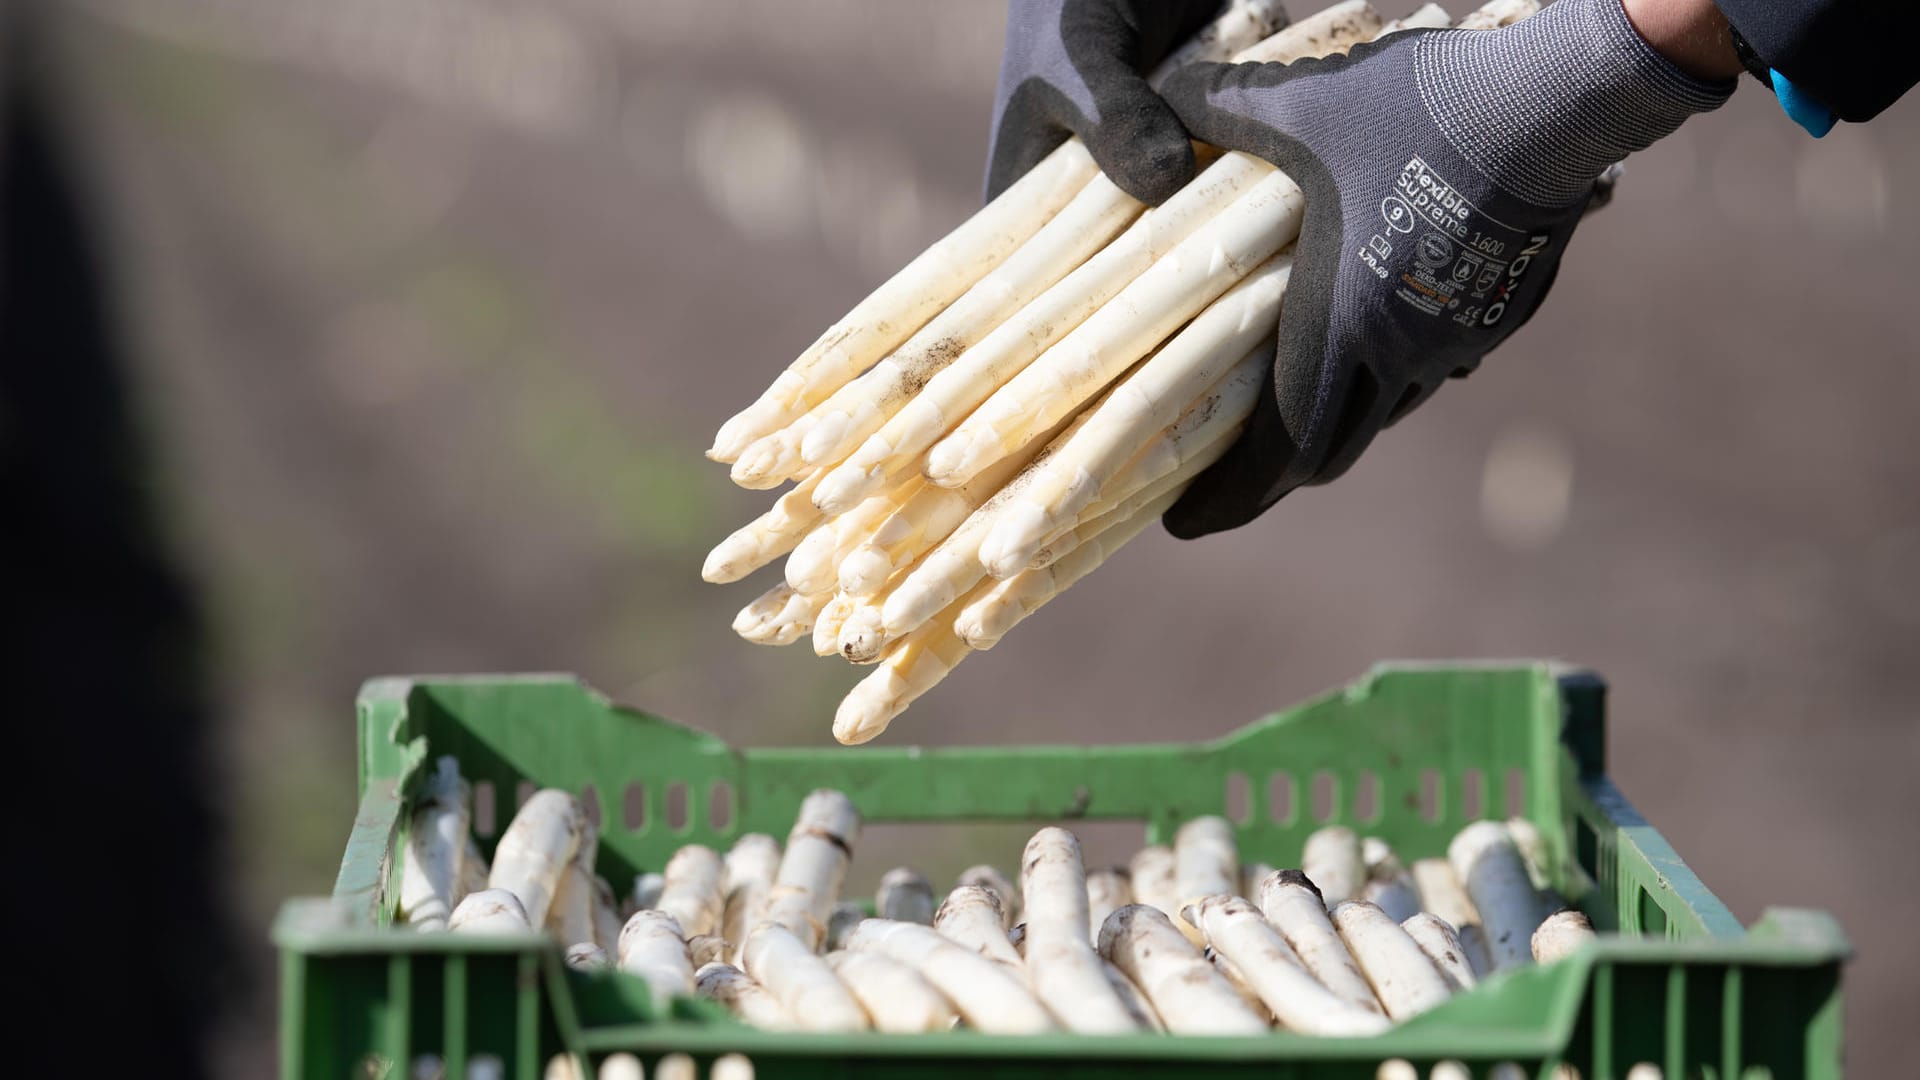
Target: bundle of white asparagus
x=1022, y=399
x=1188, y=939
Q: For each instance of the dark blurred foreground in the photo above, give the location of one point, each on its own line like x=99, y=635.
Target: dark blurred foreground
x=119, y=862
x=429, y=307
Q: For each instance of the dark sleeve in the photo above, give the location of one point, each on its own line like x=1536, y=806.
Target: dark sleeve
x=1856, y=57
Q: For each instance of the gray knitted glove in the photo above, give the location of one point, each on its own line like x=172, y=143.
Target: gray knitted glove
x=1444, y=172
x=1078, y=67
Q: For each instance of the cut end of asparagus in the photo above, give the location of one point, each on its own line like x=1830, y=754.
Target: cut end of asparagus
x=863, y=635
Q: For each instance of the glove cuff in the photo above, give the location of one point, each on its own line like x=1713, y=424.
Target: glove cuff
x=1543, y=106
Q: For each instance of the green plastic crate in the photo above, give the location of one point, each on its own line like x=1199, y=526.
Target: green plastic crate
x=1414, y=748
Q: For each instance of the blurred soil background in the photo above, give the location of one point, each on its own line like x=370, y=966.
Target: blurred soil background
x=434, y=304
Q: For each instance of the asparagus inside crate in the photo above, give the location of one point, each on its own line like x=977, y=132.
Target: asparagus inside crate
x=1197, y=937
x=1026, y=397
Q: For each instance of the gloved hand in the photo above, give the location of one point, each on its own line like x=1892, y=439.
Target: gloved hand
x=1444, y=172
x=1078, y=67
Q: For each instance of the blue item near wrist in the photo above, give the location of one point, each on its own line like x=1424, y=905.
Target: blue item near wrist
x=1816, y=118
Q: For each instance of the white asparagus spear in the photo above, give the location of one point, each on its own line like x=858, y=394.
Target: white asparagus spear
x=653, y=948
x=837, y=426
x=622, y=1066
x=1130, y=994
x=1206, y=862
x=1331, y=857
x=436, y=847
x=1442, y=893
x=704, y=949
x=571, y=915
x=1276, y=975
x=815, y=863
x=971, y=917
x=751, y=864
x=1231, y=972
x=751, y=621
x=1241, y=25
x=1206, y=858
x=997, y=607
x=1563, y=932
x=989, y=877
x=693, y=894
x=990, y=997
x=587, y=956
x=1135, y=502
x=768, y=536
x=915, y=294
x=676, y=1066
x=1080, y=365
x=953, y=567
x=1297, y=910
x=904, y=894
x=929, y=517
x=1389, y=886
x=814, y=566
x=894, y=995
x=1106, y=890
x=827, y=624
x=606, y=914
x=1402, y=976
x=731, y=1067
x=959, y=388
x=647, y=888
x=908, y=668
x=801, y=981
x=1251, y=875
x=1169, y=459
x=1496, y=14
x=840, y=922
x=1189, y=994
x=473, y=870
x=863, y=634
x=1154, y=399
x=790, y=617
x=490, y=911
x=1496, y=879
x=1154, y=871
x=1327, y=32
x=1437, y=939
x=535, y=849
x=1427, y=17
x=1532, y=845
x=743, y=996
x=1065, y=972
